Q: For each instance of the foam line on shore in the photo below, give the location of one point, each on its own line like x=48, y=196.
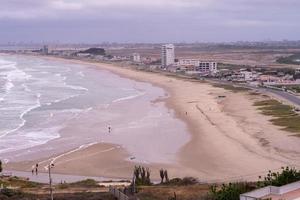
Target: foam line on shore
x=84, y=146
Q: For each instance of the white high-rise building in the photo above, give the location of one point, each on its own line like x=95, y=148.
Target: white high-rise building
x=167, y=55
x=136, y=57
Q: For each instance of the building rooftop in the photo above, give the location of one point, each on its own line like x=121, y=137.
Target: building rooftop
x=286, y=192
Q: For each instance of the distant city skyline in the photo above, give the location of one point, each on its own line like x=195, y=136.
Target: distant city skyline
x=148, y=21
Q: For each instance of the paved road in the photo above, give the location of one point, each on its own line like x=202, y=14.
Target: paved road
x=285, y=95
x=290, y=97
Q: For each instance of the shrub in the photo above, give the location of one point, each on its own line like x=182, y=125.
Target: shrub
x=10, y=193
x=286, y=176
x=183, y=182
x=230, y=191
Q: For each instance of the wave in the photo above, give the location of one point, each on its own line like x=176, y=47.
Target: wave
x=74, y=87
x=61, y=100
x=84, y=146
x=30, y=139
x=81, y=74
x=8, y=86
x=129, y=97
x=26, y=88
x=12, y=75
x=23, y=121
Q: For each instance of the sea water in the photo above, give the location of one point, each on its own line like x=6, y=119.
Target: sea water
x=39, y=98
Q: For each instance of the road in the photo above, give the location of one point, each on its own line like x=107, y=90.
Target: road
x=285, y=95
x=290, y=97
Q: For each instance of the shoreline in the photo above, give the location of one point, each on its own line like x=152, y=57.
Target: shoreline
x=220, y=142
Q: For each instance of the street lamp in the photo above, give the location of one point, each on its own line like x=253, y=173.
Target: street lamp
x=51, y=165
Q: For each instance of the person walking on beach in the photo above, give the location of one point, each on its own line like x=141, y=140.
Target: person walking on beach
x=36, y=168
x=109, y=129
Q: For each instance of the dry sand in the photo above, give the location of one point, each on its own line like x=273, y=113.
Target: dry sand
x=230, y=139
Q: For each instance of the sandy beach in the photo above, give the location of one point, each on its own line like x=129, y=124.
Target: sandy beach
x=229, y=138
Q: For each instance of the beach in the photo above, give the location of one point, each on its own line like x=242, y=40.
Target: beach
x=227, y=138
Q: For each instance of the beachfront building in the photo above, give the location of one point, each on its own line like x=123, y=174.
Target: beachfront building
x=297, y=71
x=167, y=55
x=197, y=66
x=45, y=49
x=286, y=192
x=136, y=57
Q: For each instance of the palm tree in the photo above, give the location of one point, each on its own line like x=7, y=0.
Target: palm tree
x=162, y=175
x=143, y=174
x=166, y=176
x=148, y=176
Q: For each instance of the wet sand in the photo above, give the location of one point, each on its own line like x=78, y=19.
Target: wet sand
x=230, y=139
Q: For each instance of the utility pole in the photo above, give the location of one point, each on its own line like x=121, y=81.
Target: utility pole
x=51, y=165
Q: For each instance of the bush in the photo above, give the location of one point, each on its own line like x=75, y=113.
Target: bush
x=85, y=183
x=10, y=193
x=286, y=176
x=230, y=191
x=183, y=182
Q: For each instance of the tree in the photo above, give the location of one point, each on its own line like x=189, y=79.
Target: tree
x=148, y=181
x=162, y=175
x=136, y=173
x=143, y=174
x=166, y=176
x=1, y=166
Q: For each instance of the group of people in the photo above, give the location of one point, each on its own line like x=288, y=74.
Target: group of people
x=35, y=169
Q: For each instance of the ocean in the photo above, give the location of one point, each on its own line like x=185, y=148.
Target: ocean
x=43, y=100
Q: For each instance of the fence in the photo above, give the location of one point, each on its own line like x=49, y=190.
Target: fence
x=118, y=194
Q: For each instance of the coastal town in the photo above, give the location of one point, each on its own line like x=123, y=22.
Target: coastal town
x=149, y=100
x=285, y=78
x=262, y=82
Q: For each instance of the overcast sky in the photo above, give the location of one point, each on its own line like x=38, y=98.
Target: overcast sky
x=96, y=21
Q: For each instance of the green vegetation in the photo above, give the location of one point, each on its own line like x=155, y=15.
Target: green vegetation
x=230, y=191
x=18, y=182
x=94, y=51
x=85, y=183
x=8, y=194
x=166, y=192
x=284, y=115
x=232, y=87
x=184, y=189
x=27, y=190
x=88, y=183
x=142, y=175
x=294, y=88
x=233, y=190
x=286, y=176
x=293, y=59
x=183, y=182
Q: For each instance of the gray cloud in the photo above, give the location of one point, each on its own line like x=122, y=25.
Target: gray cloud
x=148, y=20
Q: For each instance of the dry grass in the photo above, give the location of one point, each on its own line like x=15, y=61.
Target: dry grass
x=284, y=115
x=191, y=192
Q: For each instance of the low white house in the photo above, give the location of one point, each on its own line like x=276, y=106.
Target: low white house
x=286, y=192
